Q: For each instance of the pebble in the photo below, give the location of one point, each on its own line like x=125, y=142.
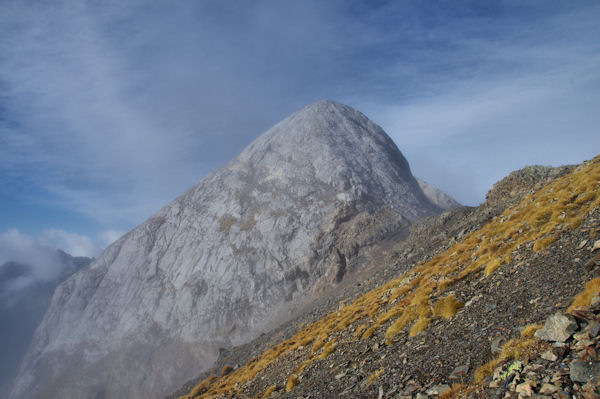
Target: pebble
x=550, y=356
x=548, y=389
x=438, y=389
x=524, y=388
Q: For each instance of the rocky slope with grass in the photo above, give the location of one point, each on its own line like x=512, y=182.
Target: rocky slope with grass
x=462, y=308
x=286, y=221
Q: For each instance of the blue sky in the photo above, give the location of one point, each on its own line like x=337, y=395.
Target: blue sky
x=109, y=110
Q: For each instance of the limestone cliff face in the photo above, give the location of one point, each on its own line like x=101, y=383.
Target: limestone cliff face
x=223, y=261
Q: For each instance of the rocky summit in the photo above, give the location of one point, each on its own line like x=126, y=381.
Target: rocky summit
x=236, y=255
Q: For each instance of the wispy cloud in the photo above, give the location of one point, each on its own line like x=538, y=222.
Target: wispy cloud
x=22, y=248
x=107, y=237
x=72, y=243
x=117, y=108
x=113, y=109
x=508, y=97
x=38, y=258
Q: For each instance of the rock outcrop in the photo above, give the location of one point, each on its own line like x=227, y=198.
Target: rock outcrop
x=234, y=255
x=437, y=196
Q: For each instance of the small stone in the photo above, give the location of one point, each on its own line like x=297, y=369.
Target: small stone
x=558, y=327
x=549, y=355
x=595, y=301
x=496, y=345
x=421, y=396
x=524, y=389
x=582, y=244
x=438, y=389
x=581, y=336
x=580, y=371
x=593, y=328
x=340, y=375
x=590, y=395
x=596, y=246
x=460, y=372
x=548, y=389
x=410, y=389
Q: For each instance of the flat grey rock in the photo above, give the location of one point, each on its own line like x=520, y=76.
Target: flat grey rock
x=580, y=371
x=558, y=327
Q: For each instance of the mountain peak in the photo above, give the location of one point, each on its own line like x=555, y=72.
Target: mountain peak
x=335, y=145
x=234, y=256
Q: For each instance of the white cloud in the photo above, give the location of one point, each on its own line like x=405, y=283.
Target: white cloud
x=22, y=248
x=120, y=106
x=529, y=98
x=107, y=237
x=72, y=243
x=39, y=255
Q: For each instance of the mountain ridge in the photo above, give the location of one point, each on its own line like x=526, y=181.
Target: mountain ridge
x=359, y=343
x=234, y=255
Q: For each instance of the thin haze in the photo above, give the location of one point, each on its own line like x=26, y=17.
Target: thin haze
x=108, y=110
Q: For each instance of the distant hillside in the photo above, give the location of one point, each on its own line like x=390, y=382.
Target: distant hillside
x=437, y=196
x=21, y=313
x=445, y=304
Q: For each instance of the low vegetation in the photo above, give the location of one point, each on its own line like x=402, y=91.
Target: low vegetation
x=404, y=305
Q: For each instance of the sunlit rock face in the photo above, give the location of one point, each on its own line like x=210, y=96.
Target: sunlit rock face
x=225, y=261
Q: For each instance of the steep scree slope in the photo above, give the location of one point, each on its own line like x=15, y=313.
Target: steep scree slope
x=440, y=322
x=224, y=261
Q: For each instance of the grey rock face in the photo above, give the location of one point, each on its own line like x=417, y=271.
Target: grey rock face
x=580, y=371
x=437, y=196
x=558, y=327
x=224, y=261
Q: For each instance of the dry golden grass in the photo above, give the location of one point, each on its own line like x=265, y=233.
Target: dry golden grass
x=447, y=307
x=592, y=288
x=327, y=350
x=269, y=391
x=373, y=377
x=544, y=242
x=420, y=325
x=530, y=330
x=291, y=382
x=492, y=266
x=359, y=330
x=513, y=349
x=319, y=343
x=563, y=203
x=457, y=391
